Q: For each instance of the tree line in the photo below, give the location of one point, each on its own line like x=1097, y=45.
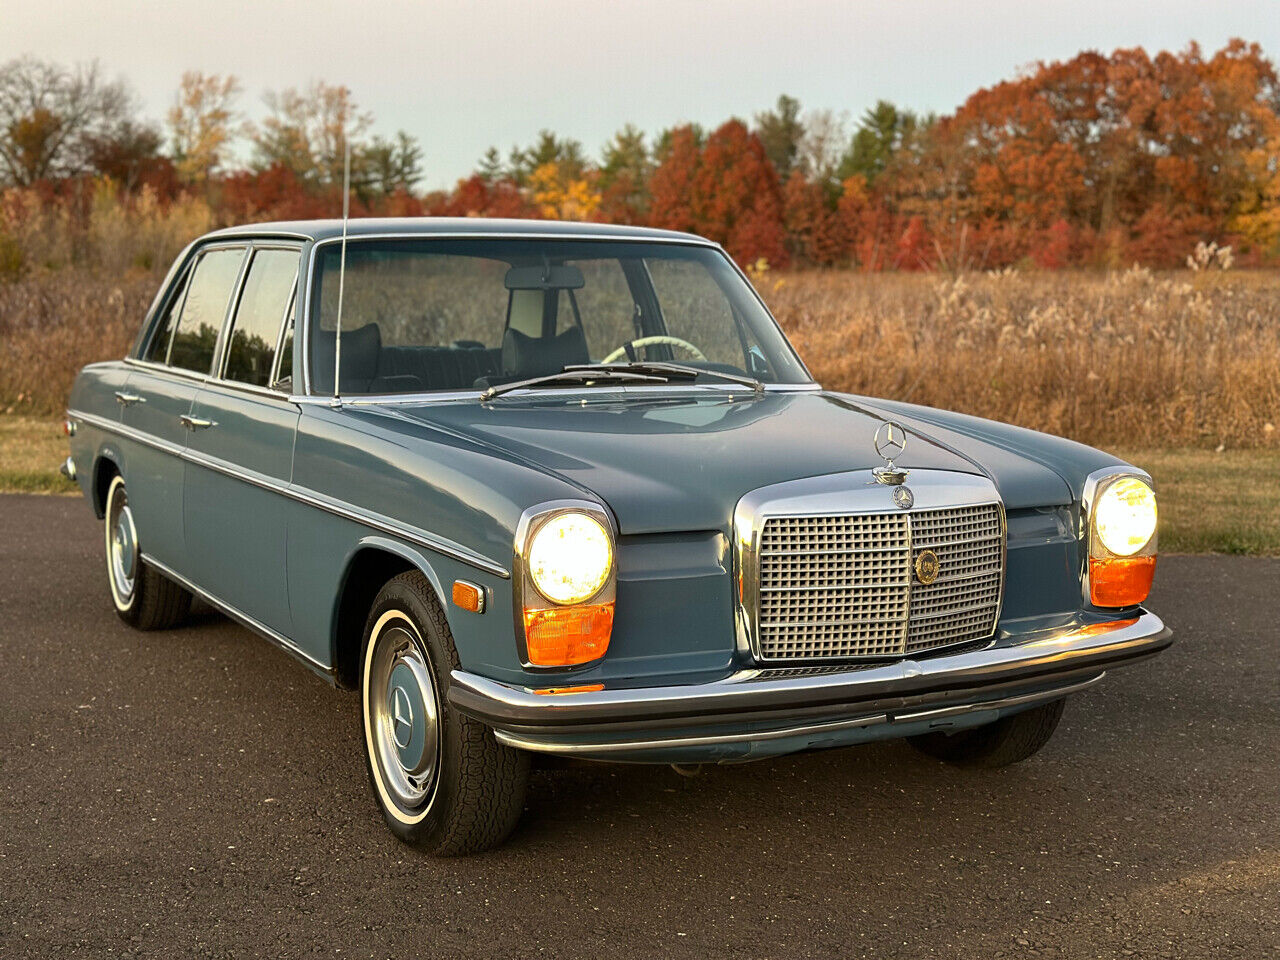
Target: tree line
x=1101, y=160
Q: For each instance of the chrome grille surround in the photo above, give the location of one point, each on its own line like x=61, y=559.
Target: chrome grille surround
x=825, y=567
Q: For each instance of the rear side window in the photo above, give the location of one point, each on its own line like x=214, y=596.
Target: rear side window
x=284, y=376
x=205, y=307
x=158, y=349
x=267, y=289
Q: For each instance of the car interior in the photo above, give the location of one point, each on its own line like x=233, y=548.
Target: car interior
x=542, y=334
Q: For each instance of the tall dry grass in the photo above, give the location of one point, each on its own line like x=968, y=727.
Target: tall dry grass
x=1129, y=359
x=53, y=324
x=76, y=278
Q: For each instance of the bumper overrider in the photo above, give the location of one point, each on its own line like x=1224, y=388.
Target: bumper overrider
x=759, y=712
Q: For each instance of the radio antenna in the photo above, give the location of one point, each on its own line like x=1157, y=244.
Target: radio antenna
x=342, y=266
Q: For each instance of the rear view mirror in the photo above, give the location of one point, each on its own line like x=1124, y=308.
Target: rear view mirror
x=544, y=277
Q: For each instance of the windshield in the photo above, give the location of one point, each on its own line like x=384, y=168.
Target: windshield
x=425, y=315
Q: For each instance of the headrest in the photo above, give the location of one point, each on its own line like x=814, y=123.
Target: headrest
x=525, y=356
x=360, y=349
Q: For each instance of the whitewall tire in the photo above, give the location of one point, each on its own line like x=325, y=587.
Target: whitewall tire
x=442, y=781
x=143, y=597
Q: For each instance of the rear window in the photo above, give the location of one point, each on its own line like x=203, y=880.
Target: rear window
x=205, y=308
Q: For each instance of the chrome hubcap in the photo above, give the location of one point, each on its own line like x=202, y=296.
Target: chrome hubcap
x=122, y=545
x=404, y=714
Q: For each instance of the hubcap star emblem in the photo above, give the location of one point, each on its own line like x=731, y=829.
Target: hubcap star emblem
x=401, y=717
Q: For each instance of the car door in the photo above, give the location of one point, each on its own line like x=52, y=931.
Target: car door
x=240, y=451
x=157, y=399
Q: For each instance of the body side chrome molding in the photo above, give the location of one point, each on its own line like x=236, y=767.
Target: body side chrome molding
x=377, y=522
x=279, y=639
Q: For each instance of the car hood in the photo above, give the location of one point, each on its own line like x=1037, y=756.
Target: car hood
x=682, y=461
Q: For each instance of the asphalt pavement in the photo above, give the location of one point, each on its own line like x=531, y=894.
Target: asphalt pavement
x=198, y=793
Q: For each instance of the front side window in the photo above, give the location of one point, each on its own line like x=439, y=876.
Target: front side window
x=268, y=286
x=205, y=308
x=428, y=315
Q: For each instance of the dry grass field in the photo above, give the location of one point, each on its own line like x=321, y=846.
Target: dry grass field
x=1177, y=372
x=1134, y=360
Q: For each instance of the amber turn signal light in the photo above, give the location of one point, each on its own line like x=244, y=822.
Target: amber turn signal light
x=468, y=596
x=567, y=636
x=1120, y=581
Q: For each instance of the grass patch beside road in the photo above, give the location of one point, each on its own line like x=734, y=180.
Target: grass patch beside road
x=31, y=449
x=1210, y=502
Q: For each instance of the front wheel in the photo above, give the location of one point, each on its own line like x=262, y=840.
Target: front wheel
x=1007, y=741
x=444, y=784
x=143, y=597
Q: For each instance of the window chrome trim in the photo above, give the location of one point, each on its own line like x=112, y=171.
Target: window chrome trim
x=206, y=380
x=339, y=508
x=289, y=312
x=278, y=639
x=848, y=494
x=585, y=236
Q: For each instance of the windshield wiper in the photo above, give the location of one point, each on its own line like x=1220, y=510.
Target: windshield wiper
x=670, y=370
x=602, y=374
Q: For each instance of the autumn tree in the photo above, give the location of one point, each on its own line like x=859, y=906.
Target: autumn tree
x=52, y=116
x=883, y=132
x=392, y=165
x=491, y=168
x=129, y=156
x=727, y=190
x=203, y=122
x=306, y=132
x=559, y=195
x=624, y=177
x=814, y=231
x=566, y=154
x=822, y=148
x=781, y=134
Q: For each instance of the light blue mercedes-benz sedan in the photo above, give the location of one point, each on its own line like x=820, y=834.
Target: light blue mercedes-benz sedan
x=566, y=489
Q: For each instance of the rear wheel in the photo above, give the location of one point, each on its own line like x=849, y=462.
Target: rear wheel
x=1007, y=741
x=444, y=784
x=143, y=597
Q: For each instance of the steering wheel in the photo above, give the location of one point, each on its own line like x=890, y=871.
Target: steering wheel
x=651, y=341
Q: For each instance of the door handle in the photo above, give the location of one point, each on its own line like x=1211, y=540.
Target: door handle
x=128, y=399
x=195, y=423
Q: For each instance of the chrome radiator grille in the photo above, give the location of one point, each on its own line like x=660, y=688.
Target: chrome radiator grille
x=843, y=586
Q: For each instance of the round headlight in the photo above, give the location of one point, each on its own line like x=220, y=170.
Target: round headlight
x=570, y=558
x=1125, y=516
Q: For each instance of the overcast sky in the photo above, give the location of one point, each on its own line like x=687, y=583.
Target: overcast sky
x=464, y=76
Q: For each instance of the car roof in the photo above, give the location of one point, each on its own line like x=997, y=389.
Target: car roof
x=453, y=226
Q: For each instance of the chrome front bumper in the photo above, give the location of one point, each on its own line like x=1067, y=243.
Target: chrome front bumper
x=761, y=712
